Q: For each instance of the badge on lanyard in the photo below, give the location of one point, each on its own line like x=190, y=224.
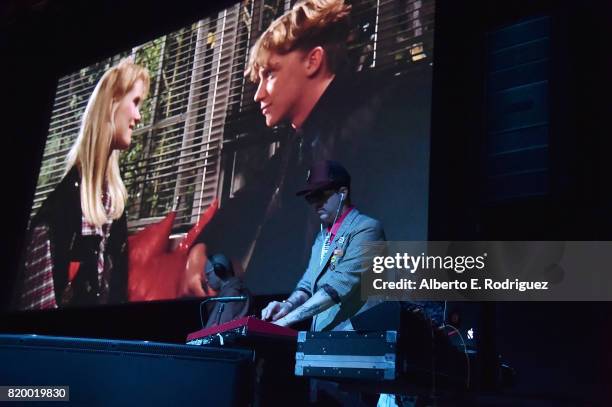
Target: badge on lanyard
x=337, y=254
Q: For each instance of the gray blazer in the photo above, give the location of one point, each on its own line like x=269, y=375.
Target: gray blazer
x=341, y=269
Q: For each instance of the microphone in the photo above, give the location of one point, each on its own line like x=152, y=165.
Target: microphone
x=222, y=300
x=226, y=299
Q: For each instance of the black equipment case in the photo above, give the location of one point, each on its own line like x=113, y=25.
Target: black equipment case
x=417, y=351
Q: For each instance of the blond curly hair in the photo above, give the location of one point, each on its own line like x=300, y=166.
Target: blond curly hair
x=308, y=24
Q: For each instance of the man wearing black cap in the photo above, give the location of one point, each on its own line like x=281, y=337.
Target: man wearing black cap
x=329, y=290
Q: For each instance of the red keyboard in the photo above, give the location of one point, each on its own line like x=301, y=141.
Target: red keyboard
x=245, y=327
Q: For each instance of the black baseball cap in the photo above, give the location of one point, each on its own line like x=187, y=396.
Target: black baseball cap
x=325, y=175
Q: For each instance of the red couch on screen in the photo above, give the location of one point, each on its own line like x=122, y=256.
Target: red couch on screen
x=155, y=272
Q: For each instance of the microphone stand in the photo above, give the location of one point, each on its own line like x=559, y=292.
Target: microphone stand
x=220, y=312
x=222, y=300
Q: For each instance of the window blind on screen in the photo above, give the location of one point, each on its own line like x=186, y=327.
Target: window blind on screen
x=200, y=102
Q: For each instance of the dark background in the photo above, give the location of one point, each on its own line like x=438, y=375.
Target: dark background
x=560, y=351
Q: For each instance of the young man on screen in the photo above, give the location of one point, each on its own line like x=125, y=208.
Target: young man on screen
x=368, y=121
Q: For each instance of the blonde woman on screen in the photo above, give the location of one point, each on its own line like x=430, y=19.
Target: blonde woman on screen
x=77, y=242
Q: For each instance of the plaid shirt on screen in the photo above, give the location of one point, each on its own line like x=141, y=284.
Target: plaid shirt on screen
x=38, y=288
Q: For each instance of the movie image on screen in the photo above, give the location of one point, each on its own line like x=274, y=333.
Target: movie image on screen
x=195, y=143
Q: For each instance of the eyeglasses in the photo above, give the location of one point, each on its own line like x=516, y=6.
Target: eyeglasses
x=319, y=196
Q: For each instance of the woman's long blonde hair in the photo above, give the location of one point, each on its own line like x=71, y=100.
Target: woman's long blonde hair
x=93, y=152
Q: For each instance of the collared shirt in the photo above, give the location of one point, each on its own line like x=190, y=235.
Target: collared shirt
x=89, y=229
x=331, y=233
x=319, y=132
x=332, y=230
x=329, y=237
